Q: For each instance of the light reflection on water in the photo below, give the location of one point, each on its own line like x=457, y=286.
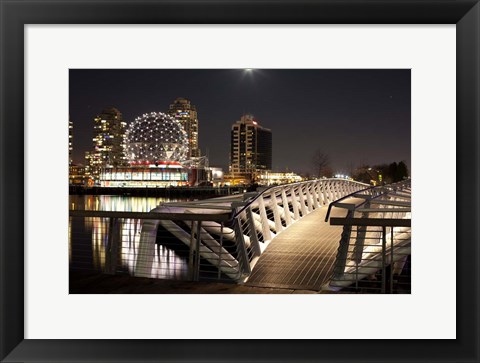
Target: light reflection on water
x=88, y=238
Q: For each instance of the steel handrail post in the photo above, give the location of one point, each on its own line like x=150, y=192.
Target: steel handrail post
x=293, y=197
x=253, y=232
x=342, y=253
x=242, y=248
x=303, y=207
x=276, y=214
x=308, y=197
x=267, y=234
x=286, y=210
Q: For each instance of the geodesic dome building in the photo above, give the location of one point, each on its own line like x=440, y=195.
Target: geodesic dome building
x=156, y=137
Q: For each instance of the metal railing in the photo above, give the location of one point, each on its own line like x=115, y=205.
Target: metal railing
x=218, y=239
x=162, y=245
x=261, y=217
x=375, y=245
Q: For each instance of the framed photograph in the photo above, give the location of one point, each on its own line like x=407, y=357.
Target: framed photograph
x=309, y=55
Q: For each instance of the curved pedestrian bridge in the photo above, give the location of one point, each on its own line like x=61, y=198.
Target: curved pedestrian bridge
x=302, y=256
x=280, y=237
x=314, y=235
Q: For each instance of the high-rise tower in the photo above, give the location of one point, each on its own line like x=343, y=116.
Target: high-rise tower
x=108, y=140
x=251, y=147
x=182, y=110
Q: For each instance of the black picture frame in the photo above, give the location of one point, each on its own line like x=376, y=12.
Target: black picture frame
x=15, y=14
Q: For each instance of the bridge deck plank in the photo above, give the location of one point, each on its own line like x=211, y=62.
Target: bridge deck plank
x=302, y=256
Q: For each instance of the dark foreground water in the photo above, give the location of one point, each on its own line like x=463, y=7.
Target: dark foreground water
x=88, y=239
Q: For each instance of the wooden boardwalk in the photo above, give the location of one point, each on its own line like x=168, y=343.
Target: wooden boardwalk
x=302, y=256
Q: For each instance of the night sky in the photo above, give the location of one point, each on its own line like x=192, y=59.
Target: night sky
x=355, y=116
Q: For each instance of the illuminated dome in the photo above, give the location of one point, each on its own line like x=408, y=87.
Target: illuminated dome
x=155, y=137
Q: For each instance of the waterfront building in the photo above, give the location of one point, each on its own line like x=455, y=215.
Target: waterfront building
x=76, y=174
x=250, y=149
x=269, y=178
x=109, y=141
x=216, y=176
x=231, y=179
x=159, y=175
x=156, y=147
x=183, y=111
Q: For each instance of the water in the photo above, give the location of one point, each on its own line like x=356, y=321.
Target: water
x=88, y=239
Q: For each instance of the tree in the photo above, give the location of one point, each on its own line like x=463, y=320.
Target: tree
x=392, y=172
x=321, y=164
x=401, y=172
x=365, y=174
x=382, y=173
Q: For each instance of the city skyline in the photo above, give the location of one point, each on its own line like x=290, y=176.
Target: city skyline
x=333, y=110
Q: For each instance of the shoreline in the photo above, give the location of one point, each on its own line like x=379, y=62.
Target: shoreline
x=157, y=192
